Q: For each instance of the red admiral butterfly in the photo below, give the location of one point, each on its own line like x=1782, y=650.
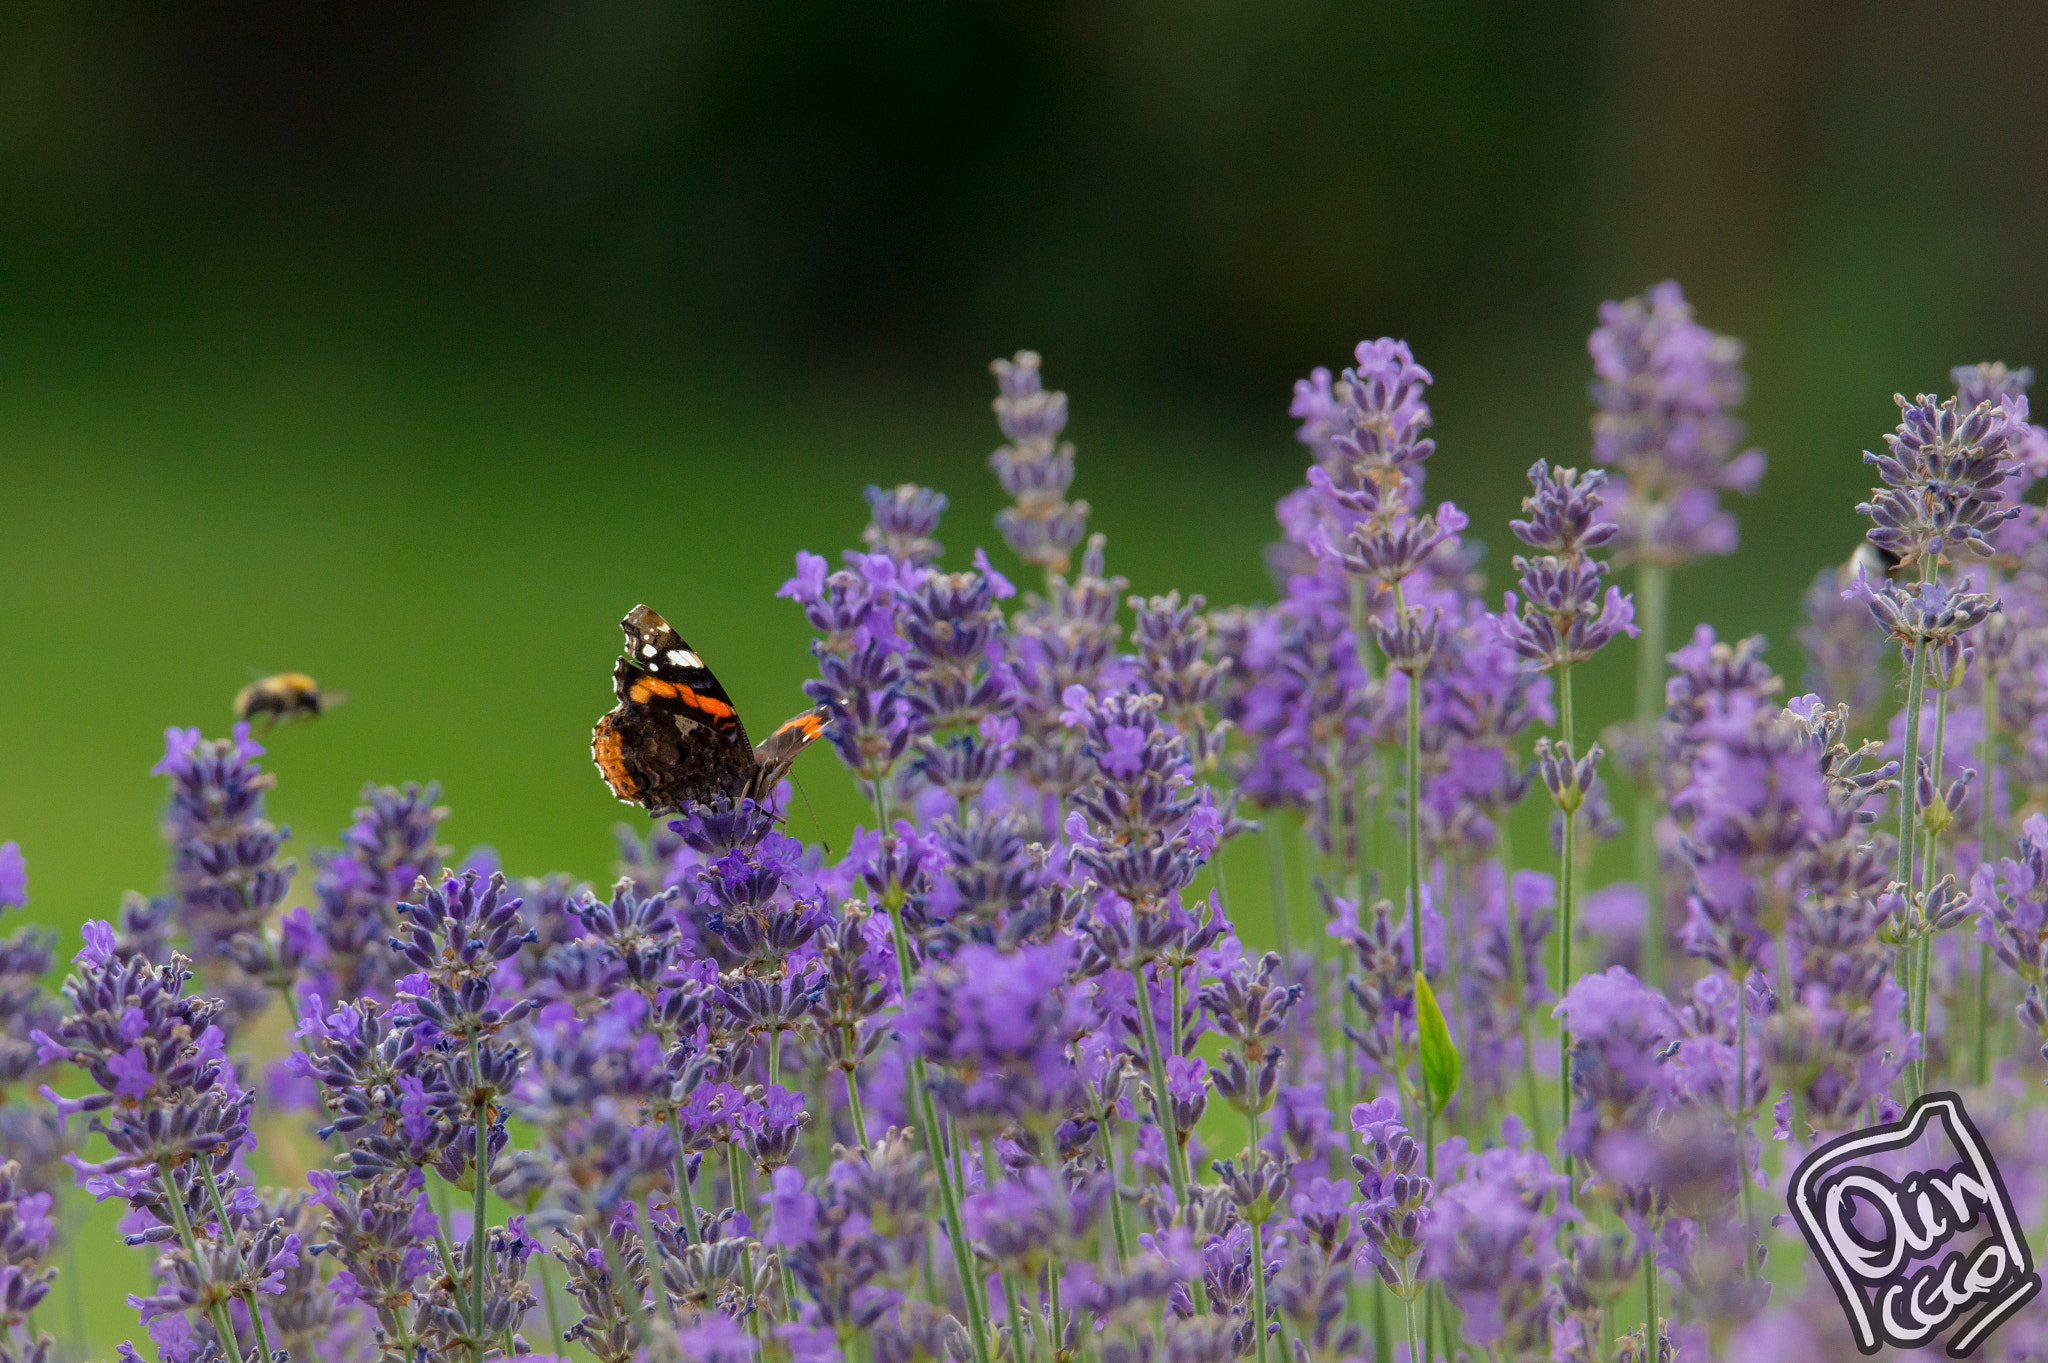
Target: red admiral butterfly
x=674, y=736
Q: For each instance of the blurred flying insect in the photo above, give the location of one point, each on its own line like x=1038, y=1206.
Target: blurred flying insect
x=283, y=698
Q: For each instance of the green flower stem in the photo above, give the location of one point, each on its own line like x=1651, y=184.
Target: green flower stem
x=547, y=1292
x=990, y=1172
x=446, y=1253
x=949, y=1208
x=1926, y=971
x=935, y=1153
x=1364, y=825
x=1651, y=1329
x=1017, y=1333
x=1653, y=590
x=686, y=1205
x=643, y=1225
x=628, y=1291
x=1333, y=1039
x=1176, y=1002
x=737, y=1176
x=1515, y=982
x=1414, y=775
x=1259, y=1290
x=1276, y=881
x=220, y=1209
x=1251, y=1160
x=921, y=1103
x=1564, y=919
x=1049, y=1150
x=1116, y=1200
x=1162, y=1105
x=1414, y=1342
x=1414, y=791
x=788, y=1285
x=1988, y=763
x=1741, y=1107
x=217, y=1310
x=482, y=1179
x=1162, y=1112
x=854, y=1109
x=1909, y=768
x=248, y=1294
x=1365, y=828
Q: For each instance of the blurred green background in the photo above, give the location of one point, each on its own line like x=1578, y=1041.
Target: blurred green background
x=409, y=346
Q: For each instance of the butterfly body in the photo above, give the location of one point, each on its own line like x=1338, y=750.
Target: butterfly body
x=675, y=738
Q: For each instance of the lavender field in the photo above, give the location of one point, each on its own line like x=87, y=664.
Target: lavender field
x=1004, y=1076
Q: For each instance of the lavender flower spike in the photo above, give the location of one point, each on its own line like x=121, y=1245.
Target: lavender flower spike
x=1664, y=385
x=1943, y=474
x=1561, y=619
x=1036, y=467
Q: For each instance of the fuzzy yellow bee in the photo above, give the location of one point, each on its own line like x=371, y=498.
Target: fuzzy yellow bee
x=282, y=698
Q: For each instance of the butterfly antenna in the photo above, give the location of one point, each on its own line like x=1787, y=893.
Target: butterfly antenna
x=815, y=821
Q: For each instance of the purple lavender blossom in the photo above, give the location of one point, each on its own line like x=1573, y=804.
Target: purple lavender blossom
x=1372, y=415
x=26, y=1230
x=177, y=1120
x=13, y=877
x=1138, y=826
x=1664, y=385
x=1036, y=467
x=1491, y=1243
x=356, y=892
x=1560, y=618
x=1845, y=651
x=224, y=859
x=902, y=521
x=1618, y=1025
x=1250, y=1006
x=715, y=1337
x=828, y=1248
x=1943, y=475
x=995, y=1028
x=861, y=666
x=1398, y=1201
x=953, y=627
x=1173, y=642
x=25, y=958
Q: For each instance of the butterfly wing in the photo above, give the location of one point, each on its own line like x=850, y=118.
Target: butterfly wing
x=775, y=753
x=674, y=736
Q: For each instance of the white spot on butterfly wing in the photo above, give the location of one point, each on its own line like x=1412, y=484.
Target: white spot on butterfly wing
x=647, y=650
x=682, y=657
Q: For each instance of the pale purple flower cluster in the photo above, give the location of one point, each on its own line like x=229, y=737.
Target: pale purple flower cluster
x=1664, y=385
x=357, y=890
x=224, y=862
x=26, y=955
x=26, y=1230
x=1561, y=617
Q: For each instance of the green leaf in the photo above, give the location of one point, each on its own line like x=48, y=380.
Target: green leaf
x=1439, y=1055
